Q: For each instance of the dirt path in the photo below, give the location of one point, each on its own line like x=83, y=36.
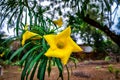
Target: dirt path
x=88, y=70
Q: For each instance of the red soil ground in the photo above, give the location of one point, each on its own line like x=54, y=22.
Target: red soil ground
x=89, y=70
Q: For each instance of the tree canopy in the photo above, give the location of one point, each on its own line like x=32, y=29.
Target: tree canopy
x=80, y=13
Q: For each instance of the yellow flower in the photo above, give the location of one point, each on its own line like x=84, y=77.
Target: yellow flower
x=61, y=45
x=58, y=22
x=28, y=35
x=1, y=55
x=26, y=27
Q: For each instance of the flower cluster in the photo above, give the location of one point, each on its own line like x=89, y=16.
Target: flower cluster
x=61, y=45
x=43, y=48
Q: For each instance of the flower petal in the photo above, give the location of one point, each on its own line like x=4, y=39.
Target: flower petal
x=58, y=22
x=27, y=35
x=75, y=47
x=55, y=53
x=64, y=34
x=63, y=54
x=51, y=40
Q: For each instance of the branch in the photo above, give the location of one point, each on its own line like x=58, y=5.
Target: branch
x=105, y=29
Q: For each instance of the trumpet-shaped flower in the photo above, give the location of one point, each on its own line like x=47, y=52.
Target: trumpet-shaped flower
x=27, y=35
x=58, y=22
x=61, y=45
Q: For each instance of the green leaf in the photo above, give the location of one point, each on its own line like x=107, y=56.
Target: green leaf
x=53, y=62
x=30, y=68
x=60, y=67
x=30, y=15
x=49, y=67
x=30, y=51
x=27, y=62
x=5, y=16
x=74, y=60
x=18, y=51
x=42, y=68
x=35, y=60
x=26, y=18
x=44, y=44
x=8, y=41
x=36, y=17
x=7, y=51
x=34, y=70
x=12, y=15
x=18, y=19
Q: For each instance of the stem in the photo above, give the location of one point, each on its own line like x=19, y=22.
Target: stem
x=68, y=72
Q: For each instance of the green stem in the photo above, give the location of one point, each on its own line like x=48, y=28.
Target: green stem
x=68, y=72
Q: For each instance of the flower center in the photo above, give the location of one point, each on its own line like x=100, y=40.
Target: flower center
x=60, y=45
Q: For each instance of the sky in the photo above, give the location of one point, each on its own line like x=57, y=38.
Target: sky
x=9, y=32
x=116, y=18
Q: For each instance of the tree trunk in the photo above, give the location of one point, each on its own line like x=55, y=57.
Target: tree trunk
x=105, y=29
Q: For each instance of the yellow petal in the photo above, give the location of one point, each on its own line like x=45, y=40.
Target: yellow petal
x=51, y=40
x=58, y=22
x=65, y=33
x=65, y=59
x=55, y=53
x=63, y=54
x=1, y=55
x=27, y=35
x=75, y=47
